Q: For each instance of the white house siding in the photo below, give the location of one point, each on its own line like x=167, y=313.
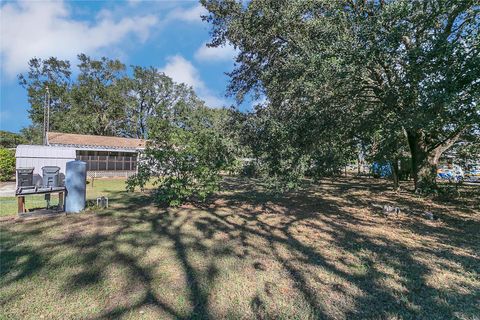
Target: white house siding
x=34, y=156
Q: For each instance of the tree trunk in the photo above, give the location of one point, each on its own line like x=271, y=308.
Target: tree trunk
x=425, y=157
x=395, y=175
x=424, y=163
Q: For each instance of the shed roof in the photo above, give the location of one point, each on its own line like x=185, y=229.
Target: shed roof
x=84, y=140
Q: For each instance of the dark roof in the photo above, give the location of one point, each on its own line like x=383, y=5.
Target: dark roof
x=84, y=140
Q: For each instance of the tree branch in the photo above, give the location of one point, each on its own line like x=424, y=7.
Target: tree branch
x=448, y=142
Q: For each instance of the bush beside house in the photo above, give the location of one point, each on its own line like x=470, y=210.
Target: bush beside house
x=7, y=164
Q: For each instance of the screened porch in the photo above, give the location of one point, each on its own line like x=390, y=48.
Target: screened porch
x=108, y=160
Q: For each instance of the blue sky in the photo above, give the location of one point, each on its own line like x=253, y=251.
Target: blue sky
x=169, y=35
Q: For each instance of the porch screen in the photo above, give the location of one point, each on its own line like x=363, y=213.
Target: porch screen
x=108, y=160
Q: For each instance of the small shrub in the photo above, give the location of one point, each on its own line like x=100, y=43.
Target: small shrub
x=184, y=158
x=235, y=168
x=7, y=164
x=250, y=169
x=140, y=179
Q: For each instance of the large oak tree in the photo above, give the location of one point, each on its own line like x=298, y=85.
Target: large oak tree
x=408, y=66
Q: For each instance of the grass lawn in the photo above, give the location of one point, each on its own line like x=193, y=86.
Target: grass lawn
x=101, y=187
x=323, y=252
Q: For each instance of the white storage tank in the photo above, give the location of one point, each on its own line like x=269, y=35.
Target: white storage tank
x=76, y=184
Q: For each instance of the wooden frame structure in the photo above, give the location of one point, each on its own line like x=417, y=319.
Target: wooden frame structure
x=59, y=190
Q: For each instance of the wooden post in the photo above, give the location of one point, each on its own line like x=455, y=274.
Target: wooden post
x=21, y=204
x=60, y=201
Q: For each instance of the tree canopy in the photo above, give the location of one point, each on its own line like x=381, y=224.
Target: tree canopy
x=337, y=71
x=105, y=97
x=10, y=139
x=392, y=80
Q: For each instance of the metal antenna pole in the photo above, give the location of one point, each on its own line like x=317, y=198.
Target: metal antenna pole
x=48, y=116
x=45, y=120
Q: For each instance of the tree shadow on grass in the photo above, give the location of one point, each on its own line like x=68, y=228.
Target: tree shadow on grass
x=310, y=255
x=418, y=299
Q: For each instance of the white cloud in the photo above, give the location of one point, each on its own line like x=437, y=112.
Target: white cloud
x=224, y=53
x=192, y=14
x=213, y=101
x=134, y=3
x=182, y=71
x=44, y=29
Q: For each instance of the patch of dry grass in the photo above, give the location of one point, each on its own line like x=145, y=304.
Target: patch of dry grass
x=321, y=252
